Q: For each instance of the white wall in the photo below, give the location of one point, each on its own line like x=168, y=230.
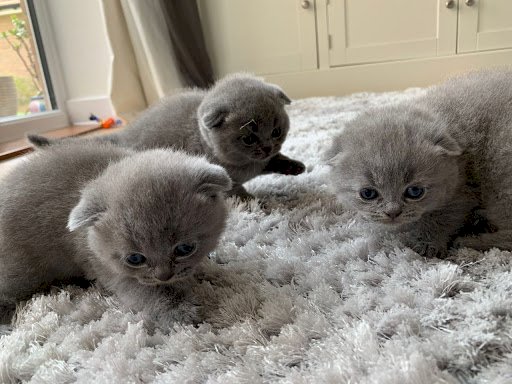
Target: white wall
x=83, y=46
x=85, y=56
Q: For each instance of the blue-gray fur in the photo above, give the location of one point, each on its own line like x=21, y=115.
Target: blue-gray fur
x=456, y=142
x=76, y=210
x=209, y=122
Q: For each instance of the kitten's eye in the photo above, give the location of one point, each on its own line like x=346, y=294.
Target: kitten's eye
x=183, y=250
x=414, y=192
x=276, y=133
x=135, y=259
x=250, y=139
x=368, y=193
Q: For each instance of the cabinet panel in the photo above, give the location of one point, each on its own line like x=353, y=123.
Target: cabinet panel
x=485, y=25
x=264, y=36
x=369, y=31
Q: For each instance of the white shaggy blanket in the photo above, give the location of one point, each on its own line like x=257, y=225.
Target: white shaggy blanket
x=289, y=297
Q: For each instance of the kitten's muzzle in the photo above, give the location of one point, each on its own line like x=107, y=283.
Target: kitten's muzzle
x=393, y=215
x=393, y=210
x=262, y=155
x=168, y=276
x=164, y=276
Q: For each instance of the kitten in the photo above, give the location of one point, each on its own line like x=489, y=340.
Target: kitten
x=424, y=169
x=137, y=223
x=240, y=124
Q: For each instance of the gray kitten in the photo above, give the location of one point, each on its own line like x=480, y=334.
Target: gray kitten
x=137, y=223
x=428, y=169
x=240, y=124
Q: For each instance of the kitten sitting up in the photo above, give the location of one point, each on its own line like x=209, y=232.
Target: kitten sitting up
x=136, y=223
x=423, y=170
x=240, y=124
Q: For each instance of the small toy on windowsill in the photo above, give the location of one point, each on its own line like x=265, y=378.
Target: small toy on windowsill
x=108, y=123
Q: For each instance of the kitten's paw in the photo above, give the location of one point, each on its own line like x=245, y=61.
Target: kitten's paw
x=245, y=197
x=240, y=192
x=378, y=244
x=430, y=250
x=6, y=313
x=467, y=242
x=476, y=223
x=293, y=167
x=502, y=239
x=284, y=165
x=165, y=319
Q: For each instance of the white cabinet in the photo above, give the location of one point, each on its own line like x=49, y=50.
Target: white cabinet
x=484, y=25
x=322, y=47
x=362, y=31
x=261, y=36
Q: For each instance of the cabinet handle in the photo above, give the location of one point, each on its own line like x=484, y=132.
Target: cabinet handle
x=469, y=3
x=451, y=3
x=305, y=4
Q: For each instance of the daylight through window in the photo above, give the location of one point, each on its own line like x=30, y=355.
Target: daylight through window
x=24, y=88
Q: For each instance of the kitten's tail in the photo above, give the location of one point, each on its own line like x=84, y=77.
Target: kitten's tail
x=39, y=141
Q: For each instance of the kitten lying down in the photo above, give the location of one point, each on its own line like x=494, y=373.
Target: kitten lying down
x=240, y=123
x=136, y=223
x=426, y=170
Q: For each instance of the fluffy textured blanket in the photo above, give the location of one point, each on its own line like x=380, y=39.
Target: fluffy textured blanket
x=289, y=297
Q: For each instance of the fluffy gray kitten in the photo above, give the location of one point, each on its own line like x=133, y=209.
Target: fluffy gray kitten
x=240, y=124
x=136, y=223
x=431, y=168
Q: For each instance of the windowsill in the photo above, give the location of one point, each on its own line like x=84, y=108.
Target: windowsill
x=21, y=146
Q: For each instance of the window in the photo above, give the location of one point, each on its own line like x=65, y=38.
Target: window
x=30, y=97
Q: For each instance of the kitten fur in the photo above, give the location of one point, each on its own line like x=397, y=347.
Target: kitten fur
x=215, y=123
x=456, y=142
x=78, y=210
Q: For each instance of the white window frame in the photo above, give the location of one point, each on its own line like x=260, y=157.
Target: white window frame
x=16, y=127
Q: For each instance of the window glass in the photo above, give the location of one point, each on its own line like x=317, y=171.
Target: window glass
x=25, y=87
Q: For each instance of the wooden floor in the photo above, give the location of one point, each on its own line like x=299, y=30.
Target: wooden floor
x=11, y=154
x=21, y=146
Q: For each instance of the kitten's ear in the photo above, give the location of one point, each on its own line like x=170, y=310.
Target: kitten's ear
x=332, y=156
x=86, y=212
x=446, y=145
x=281, y=95
x=214, y=117
x=213, y=180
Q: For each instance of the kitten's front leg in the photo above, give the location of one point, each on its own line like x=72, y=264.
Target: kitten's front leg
x=428, y=247
x=501, y=239
x=7, y=311
x=428, y=237
x=284, y=165
x=161, y=305
x=240, y=191
x=432, y=234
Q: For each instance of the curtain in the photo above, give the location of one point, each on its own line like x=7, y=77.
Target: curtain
x=126, y=91
x=188, y=43
x=158, y=48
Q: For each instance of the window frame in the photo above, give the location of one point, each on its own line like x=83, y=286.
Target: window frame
x=16, y=127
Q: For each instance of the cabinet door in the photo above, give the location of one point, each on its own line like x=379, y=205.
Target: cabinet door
x=363, y=31
x=260, y=36
x=484, y=25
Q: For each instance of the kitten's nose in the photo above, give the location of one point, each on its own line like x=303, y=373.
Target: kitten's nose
x=163, y=274
x=394, y=214
x=267, y=150
x=393, y=211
